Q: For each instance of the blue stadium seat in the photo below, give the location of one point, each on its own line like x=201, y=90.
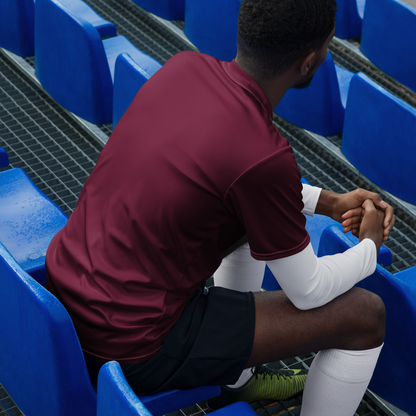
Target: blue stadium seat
x=212, y=26
x=17, y=19
x=28, y=221
x=349, y=19
x=378, y=137
x=315, y=226
x=388, y=38
x=115, y=397
x=41, y=362
x=168, y=9
x=129, y=77
x=73, y=63
x=319, y=108
x=393, y=378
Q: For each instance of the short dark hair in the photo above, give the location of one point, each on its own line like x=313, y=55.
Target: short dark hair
x=273, y=34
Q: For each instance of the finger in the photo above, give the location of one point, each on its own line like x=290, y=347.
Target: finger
x=356, y=212
x=368, y=205
x=376, y=198
x=351, y=221
x=379, y=203
x=355, y=229
x=389, y=217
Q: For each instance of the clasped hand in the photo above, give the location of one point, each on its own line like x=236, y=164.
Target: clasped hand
x=362, y=212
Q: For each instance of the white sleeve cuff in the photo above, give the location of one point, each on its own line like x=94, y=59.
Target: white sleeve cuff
x=310, y=196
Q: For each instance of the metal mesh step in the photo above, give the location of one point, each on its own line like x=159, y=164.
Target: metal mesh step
x=56, y=153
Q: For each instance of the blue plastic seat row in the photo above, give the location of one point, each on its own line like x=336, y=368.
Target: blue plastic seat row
x=73, y=63
x=388, y=34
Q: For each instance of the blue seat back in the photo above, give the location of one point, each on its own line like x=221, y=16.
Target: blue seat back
x=388, y=38
x=115, y=397
x=393, y=377
x=28, y=221
x=349, y=19
x=17, y=19
x=212, y=26
x=378, y=137
x=128, y=79
x=71, y=62
x=320, y=107
x=82, y=9
x=168, y=9
x=41, y=363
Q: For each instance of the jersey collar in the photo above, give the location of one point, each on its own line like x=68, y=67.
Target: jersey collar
x=239, y=76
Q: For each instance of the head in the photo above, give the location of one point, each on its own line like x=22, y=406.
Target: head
x=274, y=34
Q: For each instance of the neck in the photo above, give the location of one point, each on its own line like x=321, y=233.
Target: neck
x=274, y=89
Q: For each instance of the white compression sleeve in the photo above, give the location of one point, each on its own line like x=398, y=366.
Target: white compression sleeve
x=310, y=282
x=239, y=271
x=310, y=196
x=337, y=381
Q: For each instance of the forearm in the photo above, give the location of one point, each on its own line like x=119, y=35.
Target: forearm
x=310, y=282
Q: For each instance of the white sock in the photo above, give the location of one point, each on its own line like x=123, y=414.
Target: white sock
x=239, y=271
x=337, y=382
x=244, y=377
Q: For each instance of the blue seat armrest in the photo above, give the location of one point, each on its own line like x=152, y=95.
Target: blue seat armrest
x=129, y=77
x=344, y=79
x=115, y=46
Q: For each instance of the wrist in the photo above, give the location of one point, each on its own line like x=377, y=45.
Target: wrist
x=327, y=203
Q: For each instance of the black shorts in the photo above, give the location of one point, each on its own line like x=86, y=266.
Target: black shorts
x=209, y=345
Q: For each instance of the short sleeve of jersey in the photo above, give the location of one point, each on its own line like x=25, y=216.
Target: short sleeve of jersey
x=267, y=198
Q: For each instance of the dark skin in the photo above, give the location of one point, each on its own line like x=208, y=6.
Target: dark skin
x=354, y=320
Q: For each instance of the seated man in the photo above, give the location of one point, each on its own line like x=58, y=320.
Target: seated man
x=193, y=166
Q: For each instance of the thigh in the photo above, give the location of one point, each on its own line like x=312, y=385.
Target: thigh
x=354, y=320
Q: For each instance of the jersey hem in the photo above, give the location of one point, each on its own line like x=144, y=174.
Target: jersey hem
x=281, y=254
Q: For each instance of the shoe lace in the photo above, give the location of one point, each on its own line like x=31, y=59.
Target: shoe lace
x=263, y=370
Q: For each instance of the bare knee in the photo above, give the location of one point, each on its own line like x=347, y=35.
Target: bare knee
x=370, y=319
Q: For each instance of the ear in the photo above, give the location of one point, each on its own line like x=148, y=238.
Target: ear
x=306, y=63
